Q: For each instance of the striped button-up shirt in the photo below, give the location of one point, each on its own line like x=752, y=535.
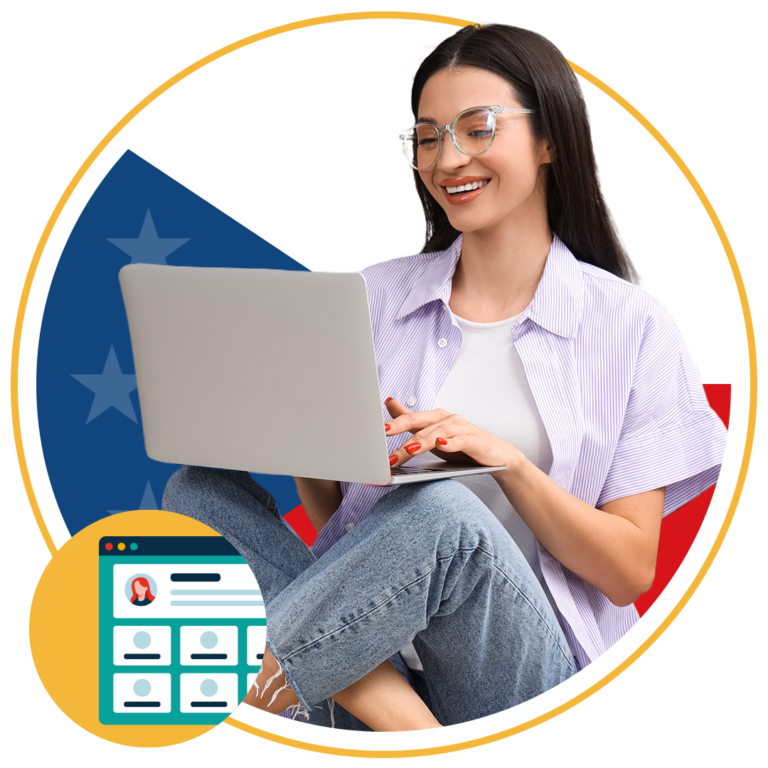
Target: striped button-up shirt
x=620, y=398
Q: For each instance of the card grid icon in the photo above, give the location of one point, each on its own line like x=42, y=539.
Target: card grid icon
x=182, y=629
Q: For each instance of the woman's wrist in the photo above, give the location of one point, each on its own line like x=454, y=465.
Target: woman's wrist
x=514, y=461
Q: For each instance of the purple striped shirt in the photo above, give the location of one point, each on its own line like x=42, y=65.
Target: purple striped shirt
x=620, y=398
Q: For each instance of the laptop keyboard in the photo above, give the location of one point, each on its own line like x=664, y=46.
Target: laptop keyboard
x=417, y=470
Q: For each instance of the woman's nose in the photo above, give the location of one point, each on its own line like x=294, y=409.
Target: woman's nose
x=450, y=157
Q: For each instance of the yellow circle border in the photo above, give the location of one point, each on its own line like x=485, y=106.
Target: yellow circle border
x=667, y=148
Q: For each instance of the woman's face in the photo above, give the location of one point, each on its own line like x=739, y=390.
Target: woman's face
x=140, y=590
x=512, y=166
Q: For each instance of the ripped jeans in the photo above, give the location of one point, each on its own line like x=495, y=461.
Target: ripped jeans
x=430, y=564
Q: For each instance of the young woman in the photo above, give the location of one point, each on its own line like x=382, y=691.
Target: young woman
x=516, y=339
x=142, y=592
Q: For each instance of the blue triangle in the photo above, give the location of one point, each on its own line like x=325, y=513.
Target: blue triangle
x=92, y=464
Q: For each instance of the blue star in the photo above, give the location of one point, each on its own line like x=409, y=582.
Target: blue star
x=148, y=501
x=112, y=388
x=148, y=248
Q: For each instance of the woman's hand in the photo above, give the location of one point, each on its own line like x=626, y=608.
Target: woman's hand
x=447, y=435
x=613, y=548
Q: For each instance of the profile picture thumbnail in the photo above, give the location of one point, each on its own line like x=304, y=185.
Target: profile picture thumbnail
x=141, y=589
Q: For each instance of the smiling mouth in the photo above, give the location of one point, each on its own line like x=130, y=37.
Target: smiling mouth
x=464, y=188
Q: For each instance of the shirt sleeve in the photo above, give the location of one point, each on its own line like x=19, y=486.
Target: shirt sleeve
x=670, y=436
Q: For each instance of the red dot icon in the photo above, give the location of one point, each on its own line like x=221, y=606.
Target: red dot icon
x=108, y=546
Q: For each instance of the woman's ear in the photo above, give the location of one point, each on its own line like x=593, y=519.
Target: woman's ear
x=546, y=152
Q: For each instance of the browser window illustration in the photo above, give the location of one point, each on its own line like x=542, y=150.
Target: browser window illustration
x=182, y=629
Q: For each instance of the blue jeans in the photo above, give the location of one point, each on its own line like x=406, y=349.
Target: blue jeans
x=430, y=564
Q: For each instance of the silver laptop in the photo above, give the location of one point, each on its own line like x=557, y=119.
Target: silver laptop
x=263, y=370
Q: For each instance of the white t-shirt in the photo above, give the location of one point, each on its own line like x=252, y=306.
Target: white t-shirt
x=488, y=386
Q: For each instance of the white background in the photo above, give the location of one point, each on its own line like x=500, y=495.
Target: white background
x=670, y=70
x=269, y=145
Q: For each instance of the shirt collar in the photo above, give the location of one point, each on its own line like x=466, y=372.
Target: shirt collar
x=434, y=283
x=559, y=297
x=556, y=305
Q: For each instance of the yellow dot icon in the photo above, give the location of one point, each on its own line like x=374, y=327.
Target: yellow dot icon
x=121, y=546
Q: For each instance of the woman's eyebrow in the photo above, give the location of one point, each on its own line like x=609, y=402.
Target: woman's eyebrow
x=471, y=111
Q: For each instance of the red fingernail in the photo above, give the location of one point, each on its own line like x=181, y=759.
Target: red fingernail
x=388, y=399
x=392, y=460
x=441, y=441
x=386, y=427
x=413, y=447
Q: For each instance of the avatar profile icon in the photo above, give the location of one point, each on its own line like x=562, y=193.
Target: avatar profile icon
x=141, y=590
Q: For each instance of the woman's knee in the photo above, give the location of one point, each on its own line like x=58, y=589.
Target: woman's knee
x=195, y=491
x=187, y=486
x=435, y=505
x=448, y=496
x=178, y=489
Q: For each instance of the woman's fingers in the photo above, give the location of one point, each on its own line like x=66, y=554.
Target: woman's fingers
x=425, y=426
x=448, y=435
x=422, y=441
x=450, y=446
x=419, y=444
x=395, y=407
x=404, y=420
x=408, y=451
x=454, y=449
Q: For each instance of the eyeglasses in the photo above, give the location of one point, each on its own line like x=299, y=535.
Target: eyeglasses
x=472, y=132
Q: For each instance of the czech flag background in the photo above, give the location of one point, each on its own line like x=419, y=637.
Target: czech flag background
x=293, y=162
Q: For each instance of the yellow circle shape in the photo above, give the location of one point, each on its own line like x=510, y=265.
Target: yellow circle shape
x=121, y=546
x=64, y=626
x=667, y=148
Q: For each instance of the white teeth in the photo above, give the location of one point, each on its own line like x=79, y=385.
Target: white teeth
x=467, y=187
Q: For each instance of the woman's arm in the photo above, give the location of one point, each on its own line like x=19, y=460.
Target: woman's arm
x=320, y=499
x=613, y=548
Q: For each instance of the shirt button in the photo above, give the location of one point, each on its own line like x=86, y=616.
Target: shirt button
x=348, y=527
x=442, y=343
x=411, y=401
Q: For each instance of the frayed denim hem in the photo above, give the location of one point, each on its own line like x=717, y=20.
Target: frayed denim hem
x=295, y=709
x=289, y=677
x=298, y=709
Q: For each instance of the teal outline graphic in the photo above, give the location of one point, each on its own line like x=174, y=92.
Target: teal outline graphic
x=107, y=667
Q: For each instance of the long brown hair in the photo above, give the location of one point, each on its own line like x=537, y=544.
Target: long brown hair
x=543, y=81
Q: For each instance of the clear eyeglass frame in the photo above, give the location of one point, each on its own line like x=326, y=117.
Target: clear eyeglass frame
x=408, y=135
